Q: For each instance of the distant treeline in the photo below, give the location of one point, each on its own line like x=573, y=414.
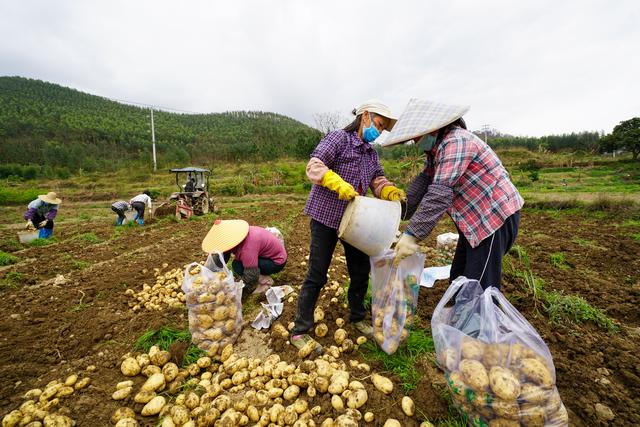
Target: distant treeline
x=46, y=124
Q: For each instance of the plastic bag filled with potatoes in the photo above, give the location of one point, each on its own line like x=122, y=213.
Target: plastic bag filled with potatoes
x=394, y=299
x=213, y=300
x=498, y=369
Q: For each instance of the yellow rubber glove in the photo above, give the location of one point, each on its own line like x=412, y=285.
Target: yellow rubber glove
x=393, y=194
x=333, y=182
x=406, y=246
x=29, y=225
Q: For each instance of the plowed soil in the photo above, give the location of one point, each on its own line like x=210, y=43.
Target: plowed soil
x=51, y=329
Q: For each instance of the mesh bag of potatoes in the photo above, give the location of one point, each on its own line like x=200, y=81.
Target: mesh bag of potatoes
x=498, y=368
x=394, y=297
x=213, y=299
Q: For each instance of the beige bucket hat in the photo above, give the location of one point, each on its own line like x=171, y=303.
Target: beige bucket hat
x=225, y=235
x=422, y=117
x=51, y=198
x=378, y=107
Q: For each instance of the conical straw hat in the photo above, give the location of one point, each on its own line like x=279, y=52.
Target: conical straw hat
x=225, y=235
x=51, y=198
x=423, y=117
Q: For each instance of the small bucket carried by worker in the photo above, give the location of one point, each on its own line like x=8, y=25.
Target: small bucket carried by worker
x=394, y=297
x=26, y=237
x=370, y=224
x=129, y=216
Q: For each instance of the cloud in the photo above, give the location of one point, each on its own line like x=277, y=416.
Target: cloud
x=529, y=67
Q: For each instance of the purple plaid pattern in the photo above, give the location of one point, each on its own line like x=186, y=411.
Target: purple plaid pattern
x=355, y=161
x=482, y=193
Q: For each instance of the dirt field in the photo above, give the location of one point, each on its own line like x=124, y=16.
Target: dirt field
x=50, y=330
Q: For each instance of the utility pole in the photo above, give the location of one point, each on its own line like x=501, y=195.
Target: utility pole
x=153, y=142
x=485, y=129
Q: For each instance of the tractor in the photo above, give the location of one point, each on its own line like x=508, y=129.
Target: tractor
x=193, y=197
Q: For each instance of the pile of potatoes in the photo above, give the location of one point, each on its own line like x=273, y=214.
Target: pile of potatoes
x=239, y=391
x=164, y=293
x=503, y=385
x=393, y=311
x=41, y=406
x=215, y=312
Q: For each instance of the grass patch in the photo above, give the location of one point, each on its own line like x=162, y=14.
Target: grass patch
x=636, y=237
x=80, y=265
x=562, y=307
x=39, y=243
x=11, y=245
x=403, y=362
x=15, y=196
x=88, y=237
x=79, y=307
x=558, y=260
x=84, y=216
x=165, y=337
x=11, y=280
x=7, y=259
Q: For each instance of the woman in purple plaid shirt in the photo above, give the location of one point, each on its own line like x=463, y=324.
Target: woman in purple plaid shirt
x=342, y=166
x=464, y=178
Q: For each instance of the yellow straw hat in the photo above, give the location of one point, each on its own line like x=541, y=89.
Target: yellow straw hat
x=225, y=235
x=51, y=198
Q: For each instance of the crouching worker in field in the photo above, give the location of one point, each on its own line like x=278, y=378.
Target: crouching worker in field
x=139, y=203
x=257, y=252
x=40, y=214
x=464, y=178
x=120, y=207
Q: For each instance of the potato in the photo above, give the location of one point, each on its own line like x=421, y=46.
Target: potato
x=536, y=371
x=150, y=370
x=357, y=398
x=321, y=330
x=144, y=396
x=392, y=423
x=167, y=421
x=127, y=422
x=170, y=371
x=227, y=351
x=495, y=355
x=318, y=315
x=560, y=418
x=154, y=406
x=121, y=413
x=504, y=383
x=532, y=415
x=122, y=393
x=408, y=407
x=339, y=336
x=71, y=380
x=82, y=383
x=65, y=391
x=12, y=419
x=383, y=384
x=155, y=382
x=124, y=384
x=503, y=422
x=534, y=394
x=472, y=349
x=321, y=384
x=32, y=394
x=505, y=409
x=368, y=417
x=130, y=367
x=307, y=349
x=347, y=346
x=337, y=403
x=57, y=420
x=339, y=382
x=180, y=414
x=300, y=406
x=192, y=400
x=474, y=374
x=340, y=322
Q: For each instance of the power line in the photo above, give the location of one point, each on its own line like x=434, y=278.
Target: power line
x=156, y=107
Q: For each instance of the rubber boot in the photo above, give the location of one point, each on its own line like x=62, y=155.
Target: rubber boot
x=119, y=221
x=141, y=222
x=45, y=233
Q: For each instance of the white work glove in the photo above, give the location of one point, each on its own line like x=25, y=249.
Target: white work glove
x=42, y=224
x=406, y=246
x=29, y=225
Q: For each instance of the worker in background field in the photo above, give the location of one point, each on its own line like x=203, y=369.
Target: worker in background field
x=40, y=214
x=120, y=207
x=257, y=252
x=465, y=178
x=342, y=166
x=139, y=203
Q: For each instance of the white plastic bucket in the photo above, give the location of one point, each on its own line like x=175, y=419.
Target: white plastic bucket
x=129, y=216
x=28, y=236
x=370, y=224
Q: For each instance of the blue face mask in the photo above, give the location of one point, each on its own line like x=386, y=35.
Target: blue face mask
x=371, y=133
x=427, y=142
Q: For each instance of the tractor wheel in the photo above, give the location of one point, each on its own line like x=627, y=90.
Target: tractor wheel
x=201, y=206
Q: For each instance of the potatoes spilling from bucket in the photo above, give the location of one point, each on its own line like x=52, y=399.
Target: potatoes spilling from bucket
x=502, y=384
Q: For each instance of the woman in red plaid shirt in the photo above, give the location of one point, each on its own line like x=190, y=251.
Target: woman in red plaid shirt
x=465, y=178
x=342, y=166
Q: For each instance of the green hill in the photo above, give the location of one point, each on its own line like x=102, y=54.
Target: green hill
x=59, y=128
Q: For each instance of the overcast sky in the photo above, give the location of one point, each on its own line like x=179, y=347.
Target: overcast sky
x=525, y=67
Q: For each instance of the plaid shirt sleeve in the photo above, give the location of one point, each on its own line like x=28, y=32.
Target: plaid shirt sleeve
x=453, y=157
x=328, y=149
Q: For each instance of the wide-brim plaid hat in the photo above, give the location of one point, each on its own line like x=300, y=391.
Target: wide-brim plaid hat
x=423, y=117
x=225, y=235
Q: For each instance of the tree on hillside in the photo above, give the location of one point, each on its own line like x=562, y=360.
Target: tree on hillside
x=625, y=135
x=329, y=121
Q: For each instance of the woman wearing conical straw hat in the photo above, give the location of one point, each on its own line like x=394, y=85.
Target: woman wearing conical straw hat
x=40, y=214
x=464, y=178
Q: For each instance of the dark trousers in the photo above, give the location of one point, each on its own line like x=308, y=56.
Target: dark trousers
x=139, y=208
x=323, y=243
x=119, y=212
x=484, y=262
x=267, y=267
x=37, y=219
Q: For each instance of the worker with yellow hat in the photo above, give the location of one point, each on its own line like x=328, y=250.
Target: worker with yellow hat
x=40, y=214
x=257, y=252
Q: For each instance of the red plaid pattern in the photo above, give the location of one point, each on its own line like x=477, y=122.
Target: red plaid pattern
x=355, y=161
x=483, y=194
